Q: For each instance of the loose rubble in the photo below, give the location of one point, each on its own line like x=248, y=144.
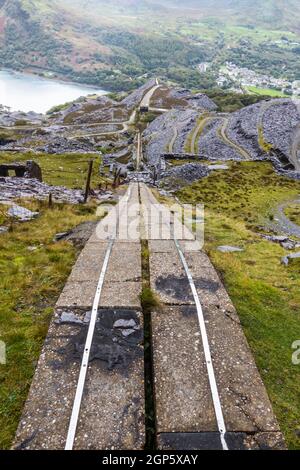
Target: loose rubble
x=161, y=131
x=286, y=259
x=286, y=242
x=16, y=188
x=211, y=145
x=243, y=129
x=182, y=98
x=134, y=99
x=21, y=213
x=264, y=131
x=178, y=176
x=64, y=145
x=279, y=124
x=229, y=249
x=17, y=118
x=78, y=235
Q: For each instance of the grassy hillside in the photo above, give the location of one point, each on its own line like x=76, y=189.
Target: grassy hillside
x=34, y=270
x=270, y=14
x=90, y=47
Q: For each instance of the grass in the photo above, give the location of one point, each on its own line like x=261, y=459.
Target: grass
x=183, y=161
x=149, y=302
x=200, y=125
x=293, y=213
x=33, y=272
x=266, y=92
x=69, y=170
x=264, y=145
x=210, y=30
x=148, y=299
x=58, y=108
x=238, y=205
x=188, y=142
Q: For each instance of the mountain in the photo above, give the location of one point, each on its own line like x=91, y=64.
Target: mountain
x=73, y=40
x=271, y=14
x=114, y=44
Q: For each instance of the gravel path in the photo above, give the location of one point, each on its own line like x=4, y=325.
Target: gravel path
x=224, y=136
x=172, y=142
x=198, y=130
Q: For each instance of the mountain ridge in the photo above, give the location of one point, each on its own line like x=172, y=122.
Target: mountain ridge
x=114, y=45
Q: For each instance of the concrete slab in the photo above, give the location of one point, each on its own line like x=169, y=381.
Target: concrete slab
x=182, y=393
x=210, y=287
x=162, y=246
x=163, y=231
x=99, y=245
x=191, y=246
x=89, y=264
x=244, y=399
x=146, y=195
x=106, y=228
x=45, y=418
x=168, y=279
x=159, y=222
x=124, y=270
x=181, y=232
x=121, y=294
x=95, y=250
x=112, y=414
x=167, y=246
x=123, y=222
x=119, y=423
x=129, y=223
x=123, y=216
x=198, y=261
x=125, y=263
x=128, y=245
x=156, y=231
x=78, y=294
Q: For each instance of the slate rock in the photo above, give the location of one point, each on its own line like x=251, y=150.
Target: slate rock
x=188, y=172
x=229, y=249
x=218, y=167
x=288, y=245
x=286, y=259
x=69, y=317
x=21, y=213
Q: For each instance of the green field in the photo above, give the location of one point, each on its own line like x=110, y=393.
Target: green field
x=266, y=92
x=211, y=29
x=69, y=170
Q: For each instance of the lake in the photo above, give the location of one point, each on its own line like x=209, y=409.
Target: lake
x=25, y=92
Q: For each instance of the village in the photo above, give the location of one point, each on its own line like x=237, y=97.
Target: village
x=242, y=78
